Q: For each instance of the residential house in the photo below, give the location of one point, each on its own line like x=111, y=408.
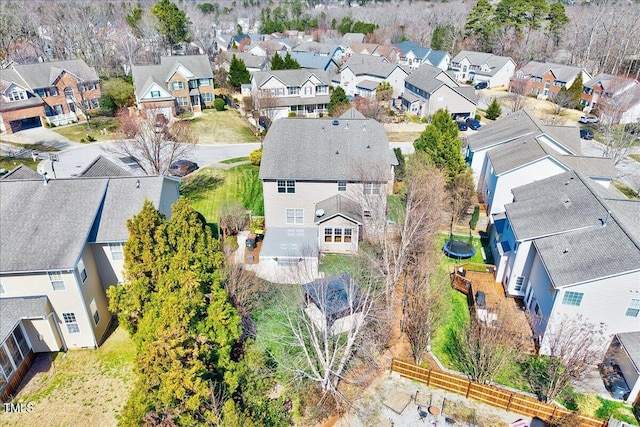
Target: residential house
x=429, y=89
x=350, y=38
x=361, y=75
x=51, y=93
x=570, y=248
x=390, y=52
x=334, y=304
x=325, y=186
x=533, y=153
x=474, y=67
x=545, y=80
x=331, y=50
x=315, y=61
x=58, y=260
x=266, y=48
x=280, y=92
x=617, y=99
x=178, y=83
x=252, y=62
x=414, y=55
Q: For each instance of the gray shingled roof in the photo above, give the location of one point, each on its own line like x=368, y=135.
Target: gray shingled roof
x=352, y=113
x=321, y=48
x=316, y=149
x=339, y=205
x=372, y=66
x=102, y=167
x=143, y=75
x=527, y=149
x=425, y=78
x=290, y=242
x=368, y=84
x=21, y=172
x=563, y=73
x=12, y=310
x=251, y=61
x=123, y=200
x=45, y=227
x=631, y=343
x=468, y=92
x=569, y=211
x=291, y=77
x=43, y=74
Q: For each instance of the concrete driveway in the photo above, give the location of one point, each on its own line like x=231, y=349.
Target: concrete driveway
x=73, y=161
x=42, y=136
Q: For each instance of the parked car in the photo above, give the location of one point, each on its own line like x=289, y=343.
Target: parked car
x=462, y=126
x=588, y=119
x=586, y=134
x=182, y=167
x=473, y=123
x=481, y=85
x=264, y=122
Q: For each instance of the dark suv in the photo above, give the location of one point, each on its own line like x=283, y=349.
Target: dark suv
x=481, y=85
x=473, y=123
x=181, y=168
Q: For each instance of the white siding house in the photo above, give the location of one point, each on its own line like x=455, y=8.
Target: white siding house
x=571, y=249
x=483, y=67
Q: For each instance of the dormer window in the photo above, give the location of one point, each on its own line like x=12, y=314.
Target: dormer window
x=17, y=94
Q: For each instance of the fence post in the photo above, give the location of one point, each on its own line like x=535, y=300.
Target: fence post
x=468, y=390
x=553, y=413
x=428, y=377
x=509, y=402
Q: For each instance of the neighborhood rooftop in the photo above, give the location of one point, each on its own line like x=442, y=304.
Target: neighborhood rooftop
x=326, y=149
x=578, y=233
x=563, y=73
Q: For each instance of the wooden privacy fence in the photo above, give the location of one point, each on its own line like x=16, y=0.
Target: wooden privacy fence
x=492, y=395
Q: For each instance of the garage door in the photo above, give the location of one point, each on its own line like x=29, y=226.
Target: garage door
x=29, y=123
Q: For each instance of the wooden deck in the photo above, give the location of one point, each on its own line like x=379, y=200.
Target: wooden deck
x=509, y=312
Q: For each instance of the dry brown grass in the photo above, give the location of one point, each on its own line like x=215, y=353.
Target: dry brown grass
x=83, y=388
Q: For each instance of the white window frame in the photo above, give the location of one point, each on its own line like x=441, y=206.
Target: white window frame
x=116, y=250
x=572, y=298
x=371, y=188
x=179, y=85
x=183, y=101
x=286, y=186
x=633, y=309
x=366, y=213
x=53, y=279
x=207, y=97
x=519, y=283
x=204, y=82
x=71, y=321
x=294, y=216
x=155, y=94
x=94, y=312
x=95, y=103
x=342, y=186
x=17, y=95
x=82, y=271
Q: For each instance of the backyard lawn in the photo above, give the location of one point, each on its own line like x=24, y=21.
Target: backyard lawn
x=81, y=387
x=210, y=187
x=79, y=132
x=8, y=163
x=222, y=127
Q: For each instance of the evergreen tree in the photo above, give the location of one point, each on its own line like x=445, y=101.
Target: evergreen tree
x=173, y=23
x=440, y=141
x=575, y=91
x=443, y=37
x=338, y=98
x=557, y=20
x=290, y=63
x=186, y=326
x=277, y=63
x=238, y=73
x=481, y=23
x=494, y=110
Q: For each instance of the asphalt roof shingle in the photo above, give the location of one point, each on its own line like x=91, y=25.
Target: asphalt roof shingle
x=102, y=167
x=318, y=149
x=21, y=172
x=12, y=310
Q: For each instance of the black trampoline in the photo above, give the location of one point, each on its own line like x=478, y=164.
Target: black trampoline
x=458, y=249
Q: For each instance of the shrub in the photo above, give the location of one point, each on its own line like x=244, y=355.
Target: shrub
x=219, y=104
x=478, y=117
x=475, y=217
x=292, y=114
x=255, y=157
x=494, y=110
x=230, y=244
x=257, y=223
x=587, y=403
x=90, y=138
x=423, y=120
x=83, y=140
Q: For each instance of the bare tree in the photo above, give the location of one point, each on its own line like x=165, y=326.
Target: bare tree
x=326, y=327
x=155, y=142
x=266, y=103
x=233, y=216
x=482, y=350
x=423, y=302
x=572, y=347
x=243, y=289
x=370, y=107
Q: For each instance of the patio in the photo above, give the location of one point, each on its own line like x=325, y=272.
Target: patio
x=498, y=309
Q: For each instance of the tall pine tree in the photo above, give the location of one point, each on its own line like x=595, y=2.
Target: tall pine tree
x=238, y=73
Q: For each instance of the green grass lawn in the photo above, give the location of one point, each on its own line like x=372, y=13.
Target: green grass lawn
x=627, y=191
x=210, y=187
x=222, y=126
x=332, y=264
x=8, y=163
x=79, y=132
x=476, y=258
x=635, y=157
x=235, y=160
